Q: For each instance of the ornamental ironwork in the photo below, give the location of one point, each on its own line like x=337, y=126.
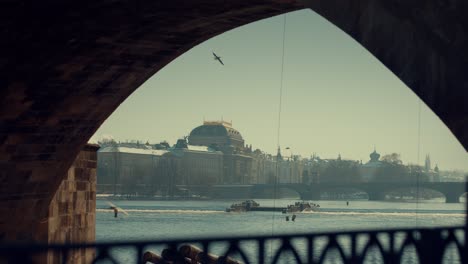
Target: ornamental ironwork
x=412, y=245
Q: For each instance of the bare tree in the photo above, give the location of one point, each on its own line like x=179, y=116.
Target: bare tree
x=393, y=158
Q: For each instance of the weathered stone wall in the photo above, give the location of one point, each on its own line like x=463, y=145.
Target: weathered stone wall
x=70, y=216
x=72, y=212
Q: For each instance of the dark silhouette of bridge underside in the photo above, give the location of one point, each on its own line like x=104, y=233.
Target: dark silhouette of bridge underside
x=376, y=190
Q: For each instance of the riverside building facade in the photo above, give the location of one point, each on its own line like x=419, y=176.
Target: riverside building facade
x=215, y=153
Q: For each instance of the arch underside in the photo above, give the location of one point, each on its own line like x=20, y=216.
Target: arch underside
x=415, y=193
x=67, y=66
x=377, y=191
x=344, y=190
x=272, y=192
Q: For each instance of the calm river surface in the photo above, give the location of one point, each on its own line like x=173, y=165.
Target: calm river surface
x=188, y=219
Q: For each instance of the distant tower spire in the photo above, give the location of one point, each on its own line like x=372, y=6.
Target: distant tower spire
x=278, y=156
x=427, y=164
x=374, y=156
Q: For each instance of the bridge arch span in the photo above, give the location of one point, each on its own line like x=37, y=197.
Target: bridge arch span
x=343, y=192
x=271, y=192
x=377, y=191
x=413, y=192
x=452, y=190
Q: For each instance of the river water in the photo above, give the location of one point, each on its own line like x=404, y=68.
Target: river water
x=191, y=219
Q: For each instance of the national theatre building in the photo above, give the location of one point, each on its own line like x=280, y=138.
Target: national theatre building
x=221, y=136
x=213, y=153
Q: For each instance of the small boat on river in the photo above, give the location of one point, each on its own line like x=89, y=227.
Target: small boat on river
x=243, y=207
x=299, y=207
x=251, y=205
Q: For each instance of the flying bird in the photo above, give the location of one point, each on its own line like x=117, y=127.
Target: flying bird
x=116, y=209
x=218, y=58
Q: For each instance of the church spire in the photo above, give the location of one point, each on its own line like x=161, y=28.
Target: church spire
x=278, y=156
x=427, y=163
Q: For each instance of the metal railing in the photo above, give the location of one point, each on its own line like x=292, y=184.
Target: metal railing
x=402, y=245
x=422, y=245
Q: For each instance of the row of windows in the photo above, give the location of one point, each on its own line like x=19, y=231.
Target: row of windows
x=234, y=132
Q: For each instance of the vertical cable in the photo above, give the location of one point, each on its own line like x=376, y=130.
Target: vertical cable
x=278, y=135
x=281, y=85
x=418, y=160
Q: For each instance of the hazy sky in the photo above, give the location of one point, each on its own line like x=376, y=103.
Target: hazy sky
x=337, y=98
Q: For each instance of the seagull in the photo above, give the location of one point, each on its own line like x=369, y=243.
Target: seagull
x=216, y=57
x=118, y=209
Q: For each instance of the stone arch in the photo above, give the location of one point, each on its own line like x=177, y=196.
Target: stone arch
x=344, y=189
x=412, y=188
x=69, y=66
x=267, y=190
x=287, y=192
x=451, y=190
x=465, y=196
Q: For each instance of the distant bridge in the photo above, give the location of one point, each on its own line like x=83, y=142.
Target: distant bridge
x=375, y=190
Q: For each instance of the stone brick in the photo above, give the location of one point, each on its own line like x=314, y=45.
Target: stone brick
x=81, y=186
x=69, y=216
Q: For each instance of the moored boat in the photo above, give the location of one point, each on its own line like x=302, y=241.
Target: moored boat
x=245, y=206
x=298, y=207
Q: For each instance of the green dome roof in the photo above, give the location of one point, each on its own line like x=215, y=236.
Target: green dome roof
x=218, y=133
x=215, y=131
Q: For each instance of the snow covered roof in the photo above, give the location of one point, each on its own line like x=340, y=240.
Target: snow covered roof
x=155, y=152
x=198, y=148
x=179, y=151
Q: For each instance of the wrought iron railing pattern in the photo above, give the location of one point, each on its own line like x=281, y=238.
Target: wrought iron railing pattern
x=422, y=245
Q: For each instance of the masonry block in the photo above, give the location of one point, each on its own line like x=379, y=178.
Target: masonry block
x=69, y=216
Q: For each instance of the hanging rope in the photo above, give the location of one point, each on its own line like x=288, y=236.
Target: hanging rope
x=278, y=134
x=418, y=155
x=281, y=85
